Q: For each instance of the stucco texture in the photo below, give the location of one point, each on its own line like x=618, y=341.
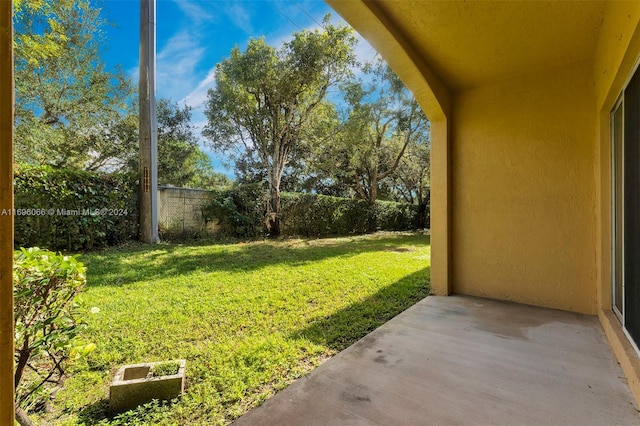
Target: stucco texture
x=520, y=93
x=523, y=208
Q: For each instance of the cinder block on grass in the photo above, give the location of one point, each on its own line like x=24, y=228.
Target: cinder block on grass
x=135, y=384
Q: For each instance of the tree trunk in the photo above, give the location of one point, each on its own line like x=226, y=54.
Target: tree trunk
x=25, y=353
x=273, y=221
x=422, y=215
x=22, y=418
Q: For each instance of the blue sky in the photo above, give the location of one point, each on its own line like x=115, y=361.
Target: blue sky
x=194, y=35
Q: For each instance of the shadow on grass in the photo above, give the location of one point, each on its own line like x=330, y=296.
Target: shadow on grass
x=98, y=412
x=336, y=331
x=92, y=414
x=116, y=267
x=345, y=327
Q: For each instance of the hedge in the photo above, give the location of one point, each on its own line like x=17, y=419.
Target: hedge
x=65, y=209
x=316, y=215
x=239, y=212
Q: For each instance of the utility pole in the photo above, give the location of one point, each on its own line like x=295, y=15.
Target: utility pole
x=148, y=133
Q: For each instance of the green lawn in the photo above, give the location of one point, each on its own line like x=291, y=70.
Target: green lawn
x=249, y=317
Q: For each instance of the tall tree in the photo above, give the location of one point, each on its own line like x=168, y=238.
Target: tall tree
x=65, y=96
x=177, y=144
x=381, y=120
x=411, y=181
x=181, y=162
x=204, y=176
x=265, y=100
x=73, y=112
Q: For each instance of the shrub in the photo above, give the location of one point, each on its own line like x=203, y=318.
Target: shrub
x=74, y=210
x=239, y=211
x=314, y=215
x=392, y=216
x=47, y=321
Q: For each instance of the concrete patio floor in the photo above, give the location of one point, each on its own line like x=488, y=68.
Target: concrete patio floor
x=464, y=361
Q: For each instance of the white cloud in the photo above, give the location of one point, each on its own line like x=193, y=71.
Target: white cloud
x=176, y=65
x=239, y=16
x=198, y=96
x=194, y=12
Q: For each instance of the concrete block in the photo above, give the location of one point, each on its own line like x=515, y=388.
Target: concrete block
x=134, y=385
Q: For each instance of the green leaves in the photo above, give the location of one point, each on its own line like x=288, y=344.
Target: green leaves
x=381, y=122
x=238, y=213
x=263, y=105
x=66, y=99
x=73, y=210
x=166, y=368
x=47, y=319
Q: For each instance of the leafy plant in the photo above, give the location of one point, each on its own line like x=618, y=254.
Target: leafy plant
x=166, y=368
x=65, y=209
x=239, y=211
x=47, y=321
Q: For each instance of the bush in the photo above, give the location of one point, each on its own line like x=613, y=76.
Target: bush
x=47, y=321
x=240, y=212
x=315, y=215
x=392, y=216
x=74, y=210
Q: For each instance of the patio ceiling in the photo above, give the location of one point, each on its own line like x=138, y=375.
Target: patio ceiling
x=473, y=43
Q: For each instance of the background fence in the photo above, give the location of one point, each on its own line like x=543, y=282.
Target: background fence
x=239, y=212
x=180, y=211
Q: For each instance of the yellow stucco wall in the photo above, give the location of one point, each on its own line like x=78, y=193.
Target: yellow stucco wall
x=523, y=204
x=521, y=160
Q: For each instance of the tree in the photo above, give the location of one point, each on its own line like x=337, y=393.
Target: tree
x=66, y=99
x=177, y=144
x=72, y=112
x=411, y=182
x=205, y=177
x=265, y=100
x=115, y=148
x=181, y=162
x=46, y=43
x=380, y=122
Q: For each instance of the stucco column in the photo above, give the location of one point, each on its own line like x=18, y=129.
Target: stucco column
x=441, y=284
x=6, y=220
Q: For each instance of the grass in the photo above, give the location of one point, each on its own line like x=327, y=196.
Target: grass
x=165, y=368
x=249, y=318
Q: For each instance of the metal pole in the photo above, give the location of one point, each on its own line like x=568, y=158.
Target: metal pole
x=148, y=124
x=6, y=214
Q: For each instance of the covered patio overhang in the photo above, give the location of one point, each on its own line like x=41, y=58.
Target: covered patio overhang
x=519, y=95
